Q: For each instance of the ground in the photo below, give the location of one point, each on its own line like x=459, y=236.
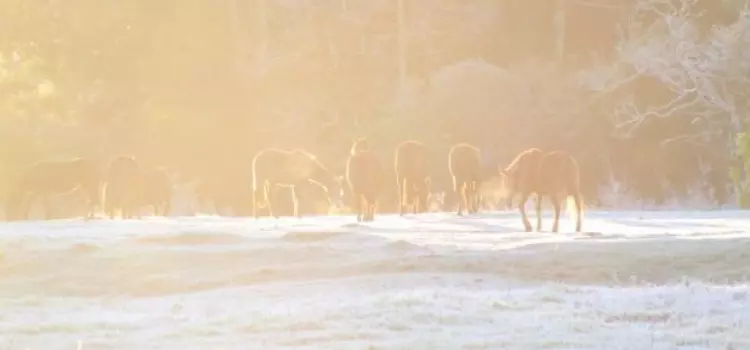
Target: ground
x=632, y=280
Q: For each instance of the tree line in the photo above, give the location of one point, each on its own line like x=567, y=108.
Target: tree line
x=647, y=95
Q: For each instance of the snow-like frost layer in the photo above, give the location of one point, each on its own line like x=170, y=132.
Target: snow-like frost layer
x=633, y=280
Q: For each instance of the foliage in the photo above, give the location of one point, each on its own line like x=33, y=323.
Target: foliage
x=200, y=87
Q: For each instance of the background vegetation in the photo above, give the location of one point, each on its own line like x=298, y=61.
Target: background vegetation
x=649, y=95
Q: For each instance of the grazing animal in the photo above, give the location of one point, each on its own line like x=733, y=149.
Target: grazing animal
x=290, y=168
x=554, y=174
x=521, y=173
x=122, y=190
x=49, y=178
x=156, y=191
x=412, y=176
x=364, y=174
x=464, y=162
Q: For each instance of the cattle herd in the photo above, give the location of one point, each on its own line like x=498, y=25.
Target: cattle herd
x=123, y=186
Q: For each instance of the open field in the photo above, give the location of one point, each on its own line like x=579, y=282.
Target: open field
x=633, y=280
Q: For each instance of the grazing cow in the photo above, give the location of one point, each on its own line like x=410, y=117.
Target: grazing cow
x=412, y=176
x=122, y=190
x=554, y=174
x=290, y=168
x=521, y=173
x=156, y=191
x=50, y=178
x=464, y=162
x=364, y=174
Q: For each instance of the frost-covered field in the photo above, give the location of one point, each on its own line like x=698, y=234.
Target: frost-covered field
x=634, y=280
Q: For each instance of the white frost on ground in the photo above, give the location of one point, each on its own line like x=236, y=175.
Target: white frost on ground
x=633, y=280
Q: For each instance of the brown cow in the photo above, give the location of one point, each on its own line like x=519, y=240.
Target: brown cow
x=521, y=173
x=50, y=178
x=554, y=174
x=412, y=176
x=122, y=189
x=364, y=174
x=464, y=162
x=275, y=167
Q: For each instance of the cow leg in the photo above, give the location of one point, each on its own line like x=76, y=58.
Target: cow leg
x=509, y=200
x=255, y=204
x=474, y=197
x=368, y=207
x=471, y=199
x=457, y=191
x=418, y=202
x=401, y=195
x=295, y=202
x=466, y=197
x=462, y=199
x=579, y=211
x=522, y=209
x=556, y=204
x=373, y=206
x=365, y=209
x=480, y=199
x=360, y=207
x=268, y=200
x=539, y=199
x=415, y=199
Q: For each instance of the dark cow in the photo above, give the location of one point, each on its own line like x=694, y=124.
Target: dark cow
x=275, y=167
x=554, y=174
x=49, y=178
